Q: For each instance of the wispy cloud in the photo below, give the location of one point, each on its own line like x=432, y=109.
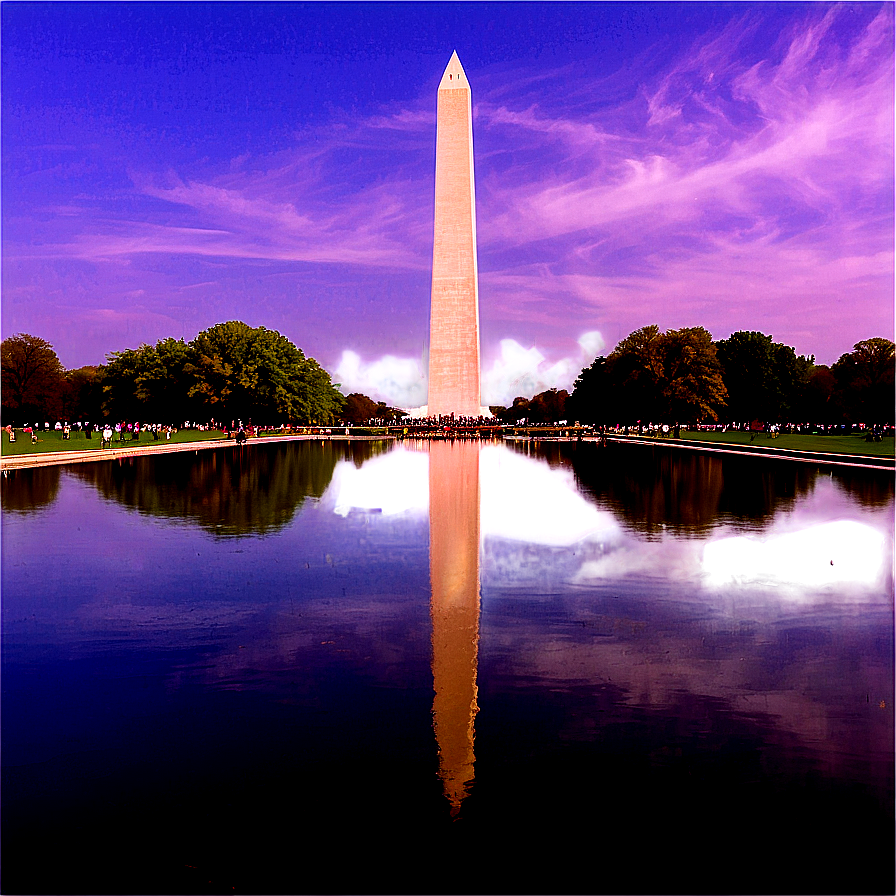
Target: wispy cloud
x=752, y=179
x=702, y=142
x=745, y=182
x=337, y=199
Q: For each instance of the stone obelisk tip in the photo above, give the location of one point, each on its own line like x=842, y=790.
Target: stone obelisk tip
x=454, y=76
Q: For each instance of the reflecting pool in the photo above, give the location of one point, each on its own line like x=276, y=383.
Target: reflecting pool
x=368, y=667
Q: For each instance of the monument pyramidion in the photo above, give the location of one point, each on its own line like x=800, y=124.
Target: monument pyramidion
x=454, y=314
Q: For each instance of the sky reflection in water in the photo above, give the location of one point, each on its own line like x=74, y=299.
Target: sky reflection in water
x=829, y=547
x=535, y=631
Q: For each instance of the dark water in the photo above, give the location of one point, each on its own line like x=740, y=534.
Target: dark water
x=334, y=667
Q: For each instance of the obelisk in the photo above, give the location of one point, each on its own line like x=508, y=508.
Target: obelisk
x=454, y=312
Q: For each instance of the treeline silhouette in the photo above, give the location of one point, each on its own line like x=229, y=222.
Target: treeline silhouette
x=683, y=376
x=229, y=372
x=235, y=372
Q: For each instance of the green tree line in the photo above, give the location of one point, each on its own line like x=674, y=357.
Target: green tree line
x=233, y=371
x=684, y=376
x=230, y=371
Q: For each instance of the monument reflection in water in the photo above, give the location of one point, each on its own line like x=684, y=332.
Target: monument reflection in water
x=454, y=574
x=302, y=667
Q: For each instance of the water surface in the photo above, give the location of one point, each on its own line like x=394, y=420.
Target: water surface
x=358, y=667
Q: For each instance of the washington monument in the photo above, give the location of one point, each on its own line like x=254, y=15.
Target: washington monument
x=454, y=315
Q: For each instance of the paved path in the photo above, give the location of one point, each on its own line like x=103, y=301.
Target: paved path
x=53, y=458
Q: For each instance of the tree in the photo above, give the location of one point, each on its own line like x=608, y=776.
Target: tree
x=746, y=359
x=250, y=373
x=229, y=372
x=592, y=399
x=83, y=394
x=789, y=381
x=171, y=381
x=874, y=358
x=691, y=376
x=358, y=408
x=518, y=410
x=816, y=406
x=152, y=382
x=548, y=406
x=865, y=381
x=765, y=380
x=32, y=377
x=389, y=414
x=651, y=376
x=635, y=371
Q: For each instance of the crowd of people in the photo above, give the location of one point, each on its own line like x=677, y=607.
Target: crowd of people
x=132, y=431
x=125, y=431
x=872, y=432
x=774, y=429
x=122, y=431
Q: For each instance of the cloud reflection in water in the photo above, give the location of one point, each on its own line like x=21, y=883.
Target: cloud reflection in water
x=525, y=502
x=522, y=499
x=391, y=484
x=837, y=553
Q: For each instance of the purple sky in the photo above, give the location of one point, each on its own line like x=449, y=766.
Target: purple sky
x=170, y=166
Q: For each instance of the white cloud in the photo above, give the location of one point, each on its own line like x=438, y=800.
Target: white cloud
x=514, y=373
x=591, y=342
x=519, y=371
x=398, y=381
x=525, y=372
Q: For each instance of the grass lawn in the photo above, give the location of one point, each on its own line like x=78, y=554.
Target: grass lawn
x=53, y=441
x=851, y=443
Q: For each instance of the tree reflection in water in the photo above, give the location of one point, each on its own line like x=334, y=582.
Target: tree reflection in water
x=228, y=491
x=868, y=487
x=655, y=489
x=23, y=491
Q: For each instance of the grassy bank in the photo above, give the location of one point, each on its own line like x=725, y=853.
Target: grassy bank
x=847, y=443
x=53, y=441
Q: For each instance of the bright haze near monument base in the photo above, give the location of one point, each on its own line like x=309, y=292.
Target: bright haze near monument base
x=170, y=166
